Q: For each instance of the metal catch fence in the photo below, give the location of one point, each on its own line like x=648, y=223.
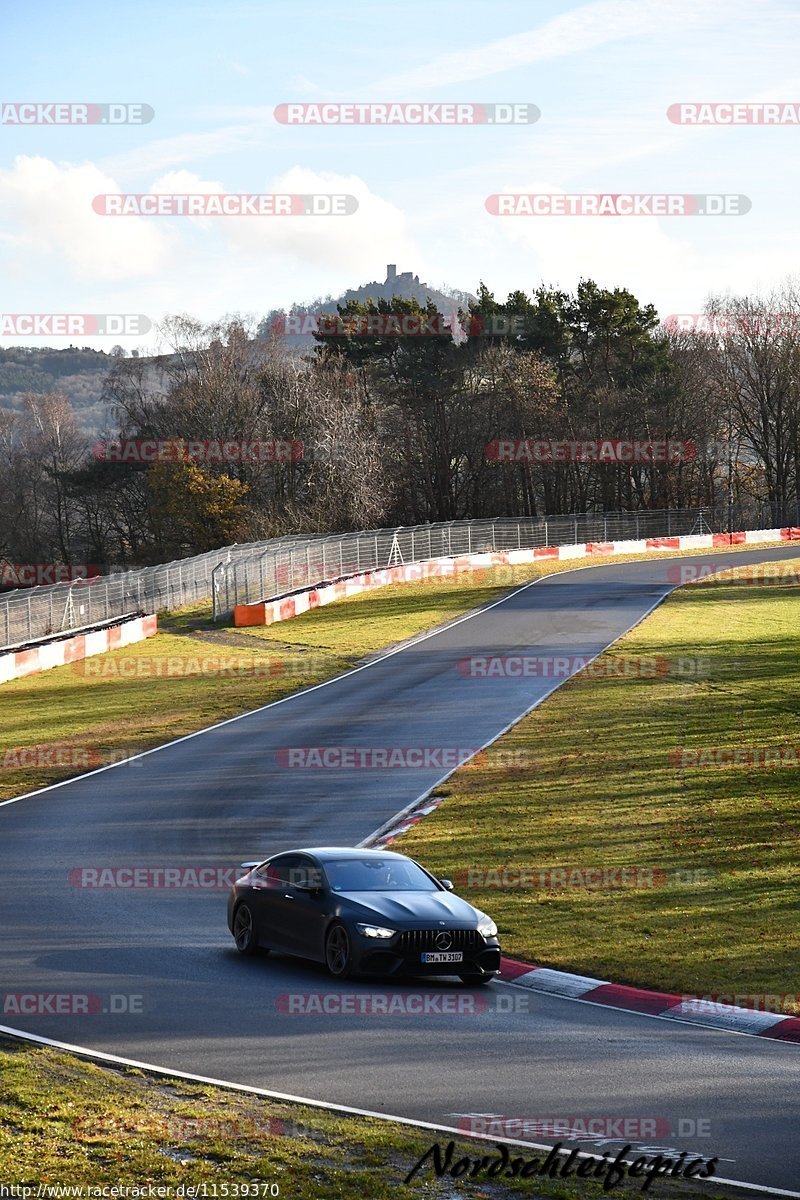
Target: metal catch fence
x=254, y=571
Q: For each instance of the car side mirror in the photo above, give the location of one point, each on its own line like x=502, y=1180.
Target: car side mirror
x=447, y=884
x=248, y=866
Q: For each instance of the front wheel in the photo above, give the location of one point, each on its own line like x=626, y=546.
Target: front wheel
x=244, y=930
x=476, y=979
x=338, y=957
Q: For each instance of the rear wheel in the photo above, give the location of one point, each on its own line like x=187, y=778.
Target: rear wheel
x=338, y=957
x=244, y=930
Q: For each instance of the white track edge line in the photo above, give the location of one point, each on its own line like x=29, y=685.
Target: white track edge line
x=403, y=812
x=635, y=1012
x=326, y=1105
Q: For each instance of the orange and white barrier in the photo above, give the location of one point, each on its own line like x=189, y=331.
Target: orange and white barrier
x=14, y=664
x=267, y=612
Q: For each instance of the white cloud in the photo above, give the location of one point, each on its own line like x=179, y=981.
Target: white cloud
x=376, y=232
x=48, y=209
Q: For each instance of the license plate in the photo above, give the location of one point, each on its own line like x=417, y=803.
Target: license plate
x=442, y=956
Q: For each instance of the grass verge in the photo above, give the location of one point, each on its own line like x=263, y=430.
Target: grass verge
x=67, y=1122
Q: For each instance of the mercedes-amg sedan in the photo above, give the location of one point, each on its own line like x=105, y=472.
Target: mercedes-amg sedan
x=368, y=912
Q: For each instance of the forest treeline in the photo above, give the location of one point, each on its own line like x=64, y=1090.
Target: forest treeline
x=393, y=429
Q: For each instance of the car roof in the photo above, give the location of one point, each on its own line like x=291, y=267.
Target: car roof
x=333, y=853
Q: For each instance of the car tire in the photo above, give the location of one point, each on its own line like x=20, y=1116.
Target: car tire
x=476, y=979
x=244, y=930
x=338, y=953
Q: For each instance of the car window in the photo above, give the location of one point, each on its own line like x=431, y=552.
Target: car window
x=290, y=871
x=276, y=872
x=304, y=872
x=377, y=875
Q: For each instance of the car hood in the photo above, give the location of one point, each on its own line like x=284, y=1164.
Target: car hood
x=411, y=908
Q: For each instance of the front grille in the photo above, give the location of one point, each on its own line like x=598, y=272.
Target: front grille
x=416, y=941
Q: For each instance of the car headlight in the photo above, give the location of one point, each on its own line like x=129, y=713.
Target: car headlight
x=375, y=931
x=487, y=927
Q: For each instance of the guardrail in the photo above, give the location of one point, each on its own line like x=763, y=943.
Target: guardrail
x=241, y=574
x=277, y=571
x=36, y=613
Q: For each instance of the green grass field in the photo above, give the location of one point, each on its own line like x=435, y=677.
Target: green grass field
x=64, y=1121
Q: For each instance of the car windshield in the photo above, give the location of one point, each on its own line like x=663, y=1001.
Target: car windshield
x=377, y=875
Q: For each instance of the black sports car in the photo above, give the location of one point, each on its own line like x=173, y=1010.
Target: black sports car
x=362, y=911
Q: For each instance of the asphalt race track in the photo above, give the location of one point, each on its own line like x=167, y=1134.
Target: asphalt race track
x=218, y=798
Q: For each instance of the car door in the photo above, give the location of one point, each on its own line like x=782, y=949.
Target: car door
x=309, y=910
x=268, y=900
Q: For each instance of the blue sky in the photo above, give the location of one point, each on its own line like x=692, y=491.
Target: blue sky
x=603, y=74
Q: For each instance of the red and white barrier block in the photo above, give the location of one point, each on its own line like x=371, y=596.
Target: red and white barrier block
x=267, y=612
x=15, y=664
x=697, y=1010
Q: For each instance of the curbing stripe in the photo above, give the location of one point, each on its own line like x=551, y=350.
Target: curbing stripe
x=787, y=1030
x=563, y=983
x=619, y=995
x=723, y=1016
x=667, y=1006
